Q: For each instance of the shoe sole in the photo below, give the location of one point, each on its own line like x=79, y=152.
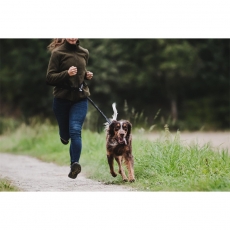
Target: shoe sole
x=75, y=170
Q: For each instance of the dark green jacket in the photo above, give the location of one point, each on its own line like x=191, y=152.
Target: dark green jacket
x=62, y=58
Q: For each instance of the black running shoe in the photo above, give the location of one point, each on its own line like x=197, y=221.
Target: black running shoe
x=75, y=169
x=64, y=142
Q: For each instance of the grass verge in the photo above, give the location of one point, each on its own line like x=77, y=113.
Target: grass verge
x=161, y=165
x=6, y=186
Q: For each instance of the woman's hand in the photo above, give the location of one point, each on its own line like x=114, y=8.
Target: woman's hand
x=72, y=71
x=89, y=75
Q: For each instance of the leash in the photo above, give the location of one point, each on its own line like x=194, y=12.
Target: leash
x=94, y=105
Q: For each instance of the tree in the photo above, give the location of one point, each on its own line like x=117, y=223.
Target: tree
x=187, y=79
x=23, y=71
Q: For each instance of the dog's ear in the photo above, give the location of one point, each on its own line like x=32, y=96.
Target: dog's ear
x=111, y=128
x=129, y=127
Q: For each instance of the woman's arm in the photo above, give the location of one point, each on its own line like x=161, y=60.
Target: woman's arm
x=88, y=74
x=53, y=76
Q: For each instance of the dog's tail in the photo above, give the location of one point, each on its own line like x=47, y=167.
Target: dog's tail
x=114, y=117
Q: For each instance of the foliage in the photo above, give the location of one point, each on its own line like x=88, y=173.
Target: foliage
x=23, y=68
x=164, y=164
x=186, y=79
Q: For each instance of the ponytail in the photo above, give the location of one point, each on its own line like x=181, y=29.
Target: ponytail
x=55, y=43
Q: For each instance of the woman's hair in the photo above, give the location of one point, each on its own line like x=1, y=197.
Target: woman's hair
x=55, y=43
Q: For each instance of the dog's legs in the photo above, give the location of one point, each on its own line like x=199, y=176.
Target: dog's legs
x=129, y=164
x=121, y=170
x=110, y=162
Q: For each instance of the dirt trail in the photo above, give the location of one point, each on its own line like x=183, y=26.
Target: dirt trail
x=30, y=174
x=219, y=140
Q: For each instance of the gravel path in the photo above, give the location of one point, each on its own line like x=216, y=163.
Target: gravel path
x=218, y=140
x=30, y=174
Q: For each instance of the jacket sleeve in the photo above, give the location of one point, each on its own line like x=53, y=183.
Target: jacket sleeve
x=54, y=76
x=86, y=60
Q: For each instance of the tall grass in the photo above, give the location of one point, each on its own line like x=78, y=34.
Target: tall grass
x=164, y=164
x=168, y=165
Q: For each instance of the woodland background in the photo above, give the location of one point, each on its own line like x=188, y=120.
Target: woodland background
x=180, y=82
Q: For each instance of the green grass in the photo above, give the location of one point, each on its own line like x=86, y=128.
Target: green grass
x=41, y=142
x=161, y=165
x=5, y=186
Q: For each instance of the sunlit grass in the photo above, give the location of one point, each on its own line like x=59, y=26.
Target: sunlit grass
x=164, y=164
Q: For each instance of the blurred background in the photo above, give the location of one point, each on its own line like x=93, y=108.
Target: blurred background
x=180, y=82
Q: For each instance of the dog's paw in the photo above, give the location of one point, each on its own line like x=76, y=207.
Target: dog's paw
x=124, y=178
x=113, y=174
x=132, y=180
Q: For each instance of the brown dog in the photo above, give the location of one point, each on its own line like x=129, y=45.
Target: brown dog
x=119, y=146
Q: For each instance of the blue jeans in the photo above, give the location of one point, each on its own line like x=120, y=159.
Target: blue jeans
x=70, y=117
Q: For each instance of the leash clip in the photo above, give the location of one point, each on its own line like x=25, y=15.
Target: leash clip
x=80, y=89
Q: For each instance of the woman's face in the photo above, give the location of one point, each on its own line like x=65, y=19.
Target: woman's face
x=72, y=41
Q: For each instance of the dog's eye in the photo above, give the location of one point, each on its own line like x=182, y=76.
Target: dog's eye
x=117, y=128
x=125, y=127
